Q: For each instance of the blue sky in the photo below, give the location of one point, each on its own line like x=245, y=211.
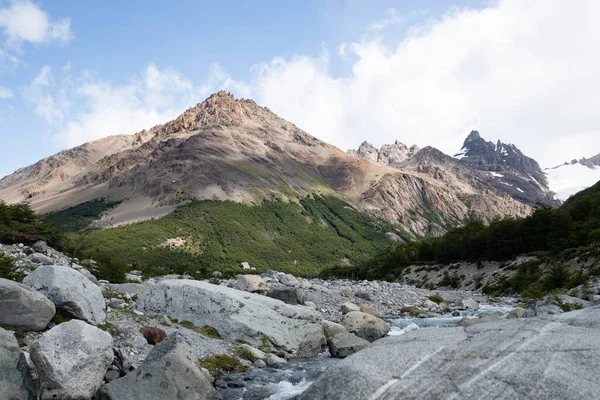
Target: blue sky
x=424, y=72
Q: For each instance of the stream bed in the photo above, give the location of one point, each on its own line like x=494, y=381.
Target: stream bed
x=286, y=381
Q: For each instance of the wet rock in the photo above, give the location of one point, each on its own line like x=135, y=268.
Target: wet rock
x=23, y=308
x=344, y=344
x=470, y=304
x=251, y=353
x=272, y=360
x=331, y=329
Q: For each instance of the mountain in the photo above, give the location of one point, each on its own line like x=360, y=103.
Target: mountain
x=388, y=154
x=233, y=149
x=507, y=169
x=571, y=177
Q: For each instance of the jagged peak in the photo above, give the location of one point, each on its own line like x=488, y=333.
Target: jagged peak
x=474, y=135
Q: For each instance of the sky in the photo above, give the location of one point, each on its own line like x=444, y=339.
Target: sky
x=422, y=72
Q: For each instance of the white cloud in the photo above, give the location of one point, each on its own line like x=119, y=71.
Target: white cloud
x=67, y=67
x=51, y=107
x=5, y=93
x=24, y=21
x=392, y=17
x=523, y=72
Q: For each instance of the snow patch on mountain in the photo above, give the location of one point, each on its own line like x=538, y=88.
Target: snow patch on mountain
x=567, y=180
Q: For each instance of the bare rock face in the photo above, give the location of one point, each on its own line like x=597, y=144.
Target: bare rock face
x=15, y=378
x=388, y=154
x=171, y=371
x=71, y=360
x=24, y=308
x=70, y=291
x=516, y=358
x=237, y=315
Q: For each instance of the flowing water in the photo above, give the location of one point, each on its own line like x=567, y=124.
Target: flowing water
x=287, y=381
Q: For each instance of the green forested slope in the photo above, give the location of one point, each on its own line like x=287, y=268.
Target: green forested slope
x=303, y=238
x=576, y=223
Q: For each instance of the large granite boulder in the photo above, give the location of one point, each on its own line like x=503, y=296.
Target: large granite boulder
x=365, y=325
x=71, y=360
x=70, y=292
x=344, y=344
x=237, y=315
x=171, y=371
x=505, y=359
x=251, y=283
x=15, y=377
x=24, y=308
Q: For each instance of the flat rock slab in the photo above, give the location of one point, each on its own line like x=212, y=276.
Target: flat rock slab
x=237, y=315
x=507, y=359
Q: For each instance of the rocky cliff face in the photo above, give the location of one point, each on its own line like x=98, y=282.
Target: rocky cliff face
x=507, y=169
x=233, y=149
x=388, y=154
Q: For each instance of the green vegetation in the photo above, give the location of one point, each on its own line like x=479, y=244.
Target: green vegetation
x=566, y=307
x=8, y=269
x=60, y=316
x=219, y=364
x=79, y=217
x=19, y=334
x=301, y=238
x=205, y=330
x=552, y=231
x=436, y=298
x=19, y=224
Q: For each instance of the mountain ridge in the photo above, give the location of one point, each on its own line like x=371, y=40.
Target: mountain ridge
x=233, y=149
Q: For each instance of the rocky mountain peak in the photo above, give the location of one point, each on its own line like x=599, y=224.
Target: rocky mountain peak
x=474, y=135
x=388, y=154
x=508, y=168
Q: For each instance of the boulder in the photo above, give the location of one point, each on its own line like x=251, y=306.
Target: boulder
x=71, y=360
x=330, y=329
x=344, y=344
x=251, y=353
x=70, y=292
x=272, y=360
x=288, y=295
x=287, y=279
x=504, y=359
x=250, y=283
x=348, y=307
x=171, y=371
x=365, y=325
x=237, y=315
x=24, y=308
x=516, y=312
x=153, y=335
x=39, y=258
x=15, y=378
x=470, y=304
x=366, y=308
x=40, y=247
x=430, y=304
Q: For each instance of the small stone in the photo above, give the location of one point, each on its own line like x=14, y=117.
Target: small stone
x=348, y=307
x=260, y=364
x=138, y=312
x=111, y=376
x=251, y=353
x=250, y=283
x=366, y=308
x=166, y=321
x=516, y=312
